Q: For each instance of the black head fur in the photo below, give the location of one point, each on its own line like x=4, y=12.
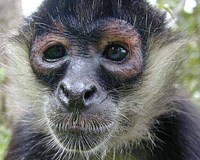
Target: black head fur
x=78, y=14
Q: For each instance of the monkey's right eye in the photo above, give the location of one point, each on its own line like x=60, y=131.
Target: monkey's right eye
x=54, y=53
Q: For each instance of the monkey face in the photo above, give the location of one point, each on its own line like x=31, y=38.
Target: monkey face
x=85, y=72
x=93, y=76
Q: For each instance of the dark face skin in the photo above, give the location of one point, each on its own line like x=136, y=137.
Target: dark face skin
x=84, y=71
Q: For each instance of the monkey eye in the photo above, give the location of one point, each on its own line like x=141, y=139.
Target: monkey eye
x=54, y=53
x=115, y=52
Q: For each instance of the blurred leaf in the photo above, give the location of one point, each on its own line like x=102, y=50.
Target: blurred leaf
x=167, y=9
x=5, y=135
x=2, y=75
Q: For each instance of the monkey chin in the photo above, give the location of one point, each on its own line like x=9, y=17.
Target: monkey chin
x=77, y=140
x=78, y=133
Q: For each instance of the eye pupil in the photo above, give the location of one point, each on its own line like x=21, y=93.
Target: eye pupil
x=54, y=53
x=115, y=52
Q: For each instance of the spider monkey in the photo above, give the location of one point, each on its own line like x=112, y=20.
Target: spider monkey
x=96, y=79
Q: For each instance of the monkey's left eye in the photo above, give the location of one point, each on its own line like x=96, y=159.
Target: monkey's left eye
x=115, y=52
x=54, y=53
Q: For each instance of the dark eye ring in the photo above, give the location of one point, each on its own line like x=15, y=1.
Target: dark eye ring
x=54, y=53
x=115, y=52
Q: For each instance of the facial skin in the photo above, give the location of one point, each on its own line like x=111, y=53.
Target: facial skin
x=84, y=74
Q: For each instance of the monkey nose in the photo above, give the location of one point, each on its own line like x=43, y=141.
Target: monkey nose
x=78, y=95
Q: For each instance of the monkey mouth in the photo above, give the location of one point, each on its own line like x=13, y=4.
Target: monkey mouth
x=78, y=123
x=78, y=132
x=77, y=139
x=93, y=128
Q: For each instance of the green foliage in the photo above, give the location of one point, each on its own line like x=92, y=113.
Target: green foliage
x=5, y=135
x=167, y=9
x=2, y=75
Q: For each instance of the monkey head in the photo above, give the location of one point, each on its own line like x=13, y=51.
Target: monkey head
x=91, y=72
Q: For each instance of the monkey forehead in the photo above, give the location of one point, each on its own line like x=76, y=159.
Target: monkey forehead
x=109, y=28
x=80, y=13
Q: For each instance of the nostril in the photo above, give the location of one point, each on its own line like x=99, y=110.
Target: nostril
x=89, y=94
x=64, y=91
